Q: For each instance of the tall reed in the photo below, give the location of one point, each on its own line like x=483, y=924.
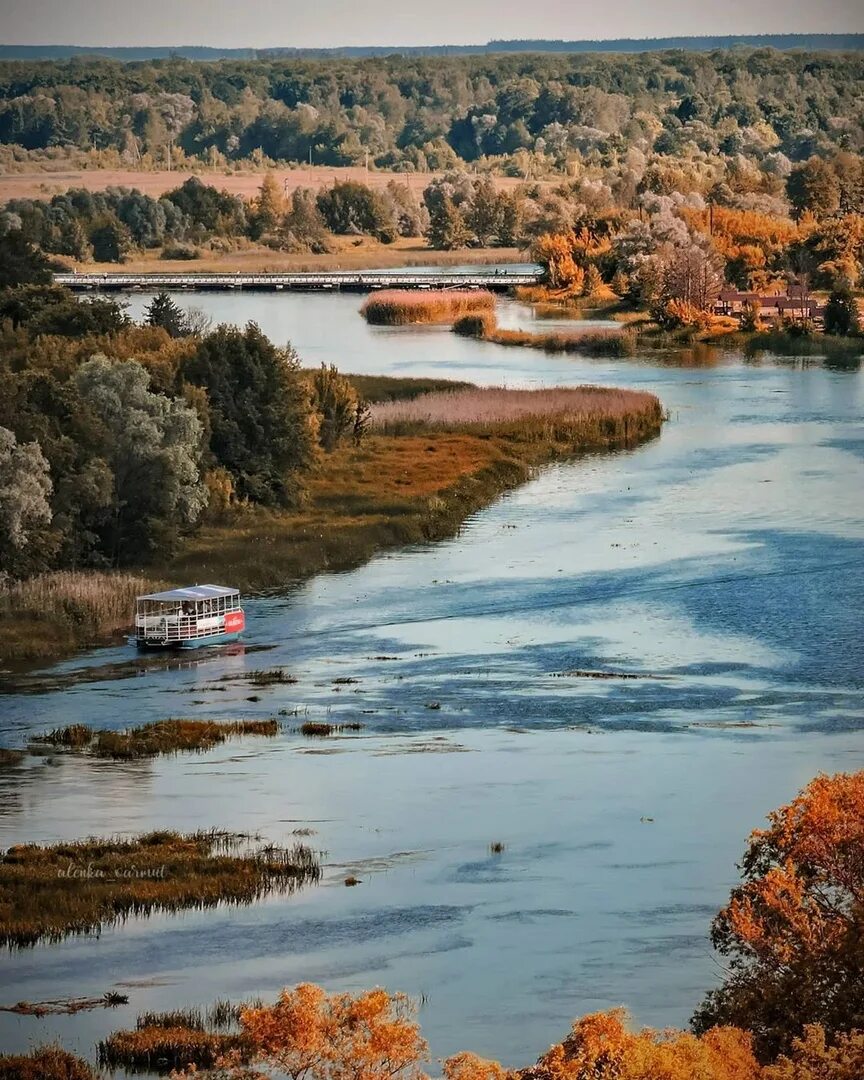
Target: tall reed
x=612, y=342
x=401, y=307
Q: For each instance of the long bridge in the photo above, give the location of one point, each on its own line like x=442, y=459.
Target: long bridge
x=356, y=281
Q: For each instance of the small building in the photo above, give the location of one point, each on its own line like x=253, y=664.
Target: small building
x=795, y=303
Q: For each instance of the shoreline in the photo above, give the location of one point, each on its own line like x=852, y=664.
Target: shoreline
x=392, y=491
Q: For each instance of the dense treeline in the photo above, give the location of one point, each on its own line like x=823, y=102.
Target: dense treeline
x=205, y=52
x=115, y=438
x=515, y=112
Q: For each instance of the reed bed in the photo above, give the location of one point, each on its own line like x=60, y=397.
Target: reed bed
x=402, y=307
x=8, y=757
x=158, y=737
x=591, y=342
x=45, y=1063
x=50, y=892
x=59, y=611
x=166, y=1049
x=581, y=416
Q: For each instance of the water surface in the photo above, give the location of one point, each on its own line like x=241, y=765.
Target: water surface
x=721, y=563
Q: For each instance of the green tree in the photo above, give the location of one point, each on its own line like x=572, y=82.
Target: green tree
x=20, y=262
x=351, y=208
x=448, y=230
x=841, y=313
x=268, y=208
x=260, y=411
x=335, y=401
x=152, y=445
x=484, y=214
x=162, y=311
x=110, y=240
x=25, y=487
x=814, y=186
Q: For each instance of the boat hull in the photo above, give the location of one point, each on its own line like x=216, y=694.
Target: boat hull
x=191, y=643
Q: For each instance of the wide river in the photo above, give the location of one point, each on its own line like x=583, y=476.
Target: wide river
x=722, y=562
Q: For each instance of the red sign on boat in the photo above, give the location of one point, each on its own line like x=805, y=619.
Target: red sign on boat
x=234, y=622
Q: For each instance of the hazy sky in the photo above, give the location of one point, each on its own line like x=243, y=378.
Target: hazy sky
x=264, y=23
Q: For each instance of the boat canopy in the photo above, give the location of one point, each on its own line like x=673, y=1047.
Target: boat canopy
x=192, y=592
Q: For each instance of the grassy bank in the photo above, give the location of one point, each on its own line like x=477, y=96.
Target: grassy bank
x=410, y=481
x=53, y=614
x=414, y=486
x=404, y=307
x=50, y=892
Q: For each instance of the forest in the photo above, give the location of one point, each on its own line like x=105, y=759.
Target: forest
x=523, y=114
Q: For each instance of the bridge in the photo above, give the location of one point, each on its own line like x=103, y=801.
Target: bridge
x=355, y=281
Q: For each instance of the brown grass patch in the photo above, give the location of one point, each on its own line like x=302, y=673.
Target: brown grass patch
x=49, y=892
x=320, y=729
x=8, y=757
x=66, y=609
x=45, y=1063
x=164, y=1049
x=158, y=737
x=66, y=1006
x=403, y=307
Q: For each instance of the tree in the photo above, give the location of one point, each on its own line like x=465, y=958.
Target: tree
x=554, y=252
x=814, y=187
x=448, y=230
x=152, y=444
x=110, y=240
x=841, y=313
x=335, y=401
x=20, y=262
x=793, y=931
x=25, y=489
x=600, y=1047
x=268, y=209
x=309, y=1033
x=351, y=208
x=693, y=273
x=811, y=1058
x=51, y=309
x=162, y=311
x=484, y=215
x=260, y=412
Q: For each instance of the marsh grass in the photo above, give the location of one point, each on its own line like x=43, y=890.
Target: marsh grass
x=263, y=677
x=53, y=891
x=320, y=729
x=65, y=609
x=45, y=1063
x=8, y=757
x=163, y=1049
x=584, y=416
x=403, y=307
x=372, y=388
x=618, y=342
x=158, y=737
x=66, y=1006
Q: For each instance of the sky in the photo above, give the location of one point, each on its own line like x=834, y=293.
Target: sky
x=321, y=23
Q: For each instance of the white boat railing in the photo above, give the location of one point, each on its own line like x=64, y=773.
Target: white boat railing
x=177, y=627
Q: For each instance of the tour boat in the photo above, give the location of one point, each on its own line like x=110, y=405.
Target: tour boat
x=188, y=618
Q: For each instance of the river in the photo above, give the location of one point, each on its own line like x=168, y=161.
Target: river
x=722, y=562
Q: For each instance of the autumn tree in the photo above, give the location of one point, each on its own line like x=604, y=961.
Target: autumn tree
x=484, y=215
x=793, y=931
x=311, y=1034
x=448, y=230
x=554, y=252
x=600, y=1047
x=268, y=208
x=812, y=1057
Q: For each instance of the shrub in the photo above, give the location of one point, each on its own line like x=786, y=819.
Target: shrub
x=401, y=307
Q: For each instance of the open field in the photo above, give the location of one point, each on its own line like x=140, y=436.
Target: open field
x=350, y=253
x=37, y=184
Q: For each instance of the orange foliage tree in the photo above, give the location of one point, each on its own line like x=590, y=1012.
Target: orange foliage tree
x=811, y=1058
x=309, y=1033
x=794, y=929
x=554, y=252
x=600, y=1047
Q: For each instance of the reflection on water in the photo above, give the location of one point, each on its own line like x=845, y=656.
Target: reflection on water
x=722, y=560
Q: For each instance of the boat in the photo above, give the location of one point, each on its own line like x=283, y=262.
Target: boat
x=188, y=618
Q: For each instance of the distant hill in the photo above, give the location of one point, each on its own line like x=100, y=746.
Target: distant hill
x=846, y=42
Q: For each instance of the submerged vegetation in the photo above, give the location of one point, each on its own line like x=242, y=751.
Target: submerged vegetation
x=49, y=892
x=157, y=737
x=401, y=307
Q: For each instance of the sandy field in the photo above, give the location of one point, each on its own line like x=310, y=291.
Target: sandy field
x=40, y=184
